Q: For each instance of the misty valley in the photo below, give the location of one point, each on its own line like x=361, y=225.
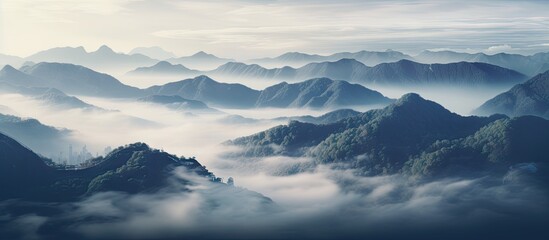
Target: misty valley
x=87, y=155
x=444, y=137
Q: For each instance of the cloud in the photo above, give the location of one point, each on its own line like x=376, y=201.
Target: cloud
x=349, y=206
x=499, y=48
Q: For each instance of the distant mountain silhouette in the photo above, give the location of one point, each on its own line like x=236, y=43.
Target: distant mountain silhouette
x=330, y=117
x=10, y=75
x=529, y=65
x=103, y=59
x=326, y=118
x=315, y=93
x=389, y=140
x=319, y=93
x=203, y=88
x=528, y=98
x=75, y=79
x=461, y=73
x=200, y=60
x=46, y=140
x=48, y=96
x=403, y=72
x=297, y=59
x=10, y=60
x=177, y=103
x=164, y=68
x=59, y=99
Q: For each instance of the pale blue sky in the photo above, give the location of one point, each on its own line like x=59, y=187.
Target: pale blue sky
x=246, y=28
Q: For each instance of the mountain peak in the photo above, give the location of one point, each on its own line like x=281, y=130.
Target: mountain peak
x=414, y=104
x=163, y=64
x=104, y=49
x=202, y=54
x=8, y=68
x=203, y=78
x=406, y=61
x=410, y=97
x=54, y=91
x=347, y=60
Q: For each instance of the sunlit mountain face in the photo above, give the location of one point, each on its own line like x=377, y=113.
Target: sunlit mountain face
x=237, y=119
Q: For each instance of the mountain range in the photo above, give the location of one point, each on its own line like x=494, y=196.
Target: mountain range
x=103, y=59
x=297, y=59
x=528, y=98
x=69, y=78
x=46, y=140
x=74, y=79
x=200, y=60
x=326, y=118
x=178, y=103
x=403, y=72
x=314, y=93
x=133, y=168
x=164, y=68
x=528, y=65
x=413, y=136
x=10, y=60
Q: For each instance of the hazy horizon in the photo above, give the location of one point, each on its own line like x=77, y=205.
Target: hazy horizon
x=250, y=29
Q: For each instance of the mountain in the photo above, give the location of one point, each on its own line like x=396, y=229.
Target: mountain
x=293, y=59
x=327, y=118
x=203, y=88
x=403, y=72
x=164, y=68
x=56, y=98
x=10, y=60
x=315, y=93
x=152, y=52
x=390, y=140
x=46, y=140
x=528, y=65
x=372, y=58
x=241, y=70
x=296, y=59
x=21, y=170
x=7, y=110
x=318, y=93
x=48, y=96
x=177, y=103
x=344, y=69
x=75, y=79
x=10, y=75
x=528, y=98
x=103, y=59
x=200, y=60
x=133, y=168
x=462, y=73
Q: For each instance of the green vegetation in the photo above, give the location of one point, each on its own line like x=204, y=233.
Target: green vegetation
x=413, y=136
x=133, y=168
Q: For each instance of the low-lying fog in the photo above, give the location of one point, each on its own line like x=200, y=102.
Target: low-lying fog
x=313, y=200
x=461, y=100
x=200, y=135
